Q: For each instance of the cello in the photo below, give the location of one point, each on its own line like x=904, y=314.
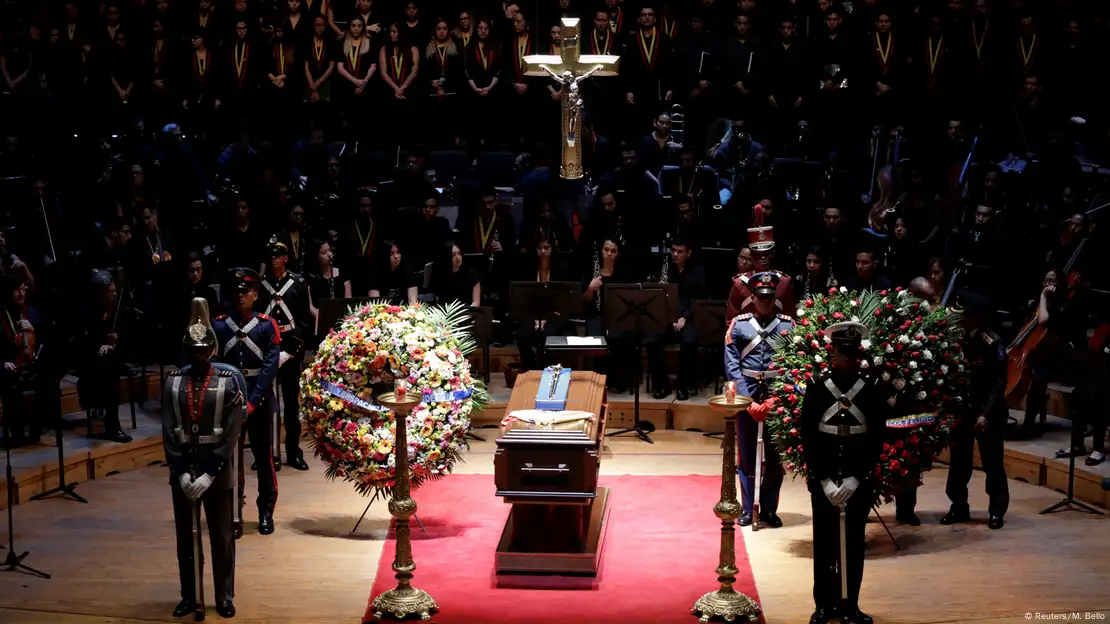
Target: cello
x=1019, y=369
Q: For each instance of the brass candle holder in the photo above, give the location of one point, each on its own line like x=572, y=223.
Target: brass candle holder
x=727, y=603
x=404, y=600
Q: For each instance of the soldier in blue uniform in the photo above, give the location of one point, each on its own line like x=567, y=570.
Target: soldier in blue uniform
x=284, y=296
x=842, y=421
x=748, y=354
x=202, y=412
x=251, y=342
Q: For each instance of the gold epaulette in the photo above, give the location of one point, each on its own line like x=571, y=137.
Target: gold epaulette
x=227, y=373
x=744, y=317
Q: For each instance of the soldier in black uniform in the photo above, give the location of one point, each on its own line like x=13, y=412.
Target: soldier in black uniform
x=250, y=341
x=202, y=411
x=984, y=418
x=284, y=296
x=843, y=418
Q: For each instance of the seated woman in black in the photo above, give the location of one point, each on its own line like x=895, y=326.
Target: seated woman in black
x=452, y=282
x=393, y=279
x=325, y=282
x=539, y=267
x=620, y=363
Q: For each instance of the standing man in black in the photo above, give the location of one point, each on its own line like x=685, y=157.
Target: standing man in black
x=202, y=407
x=984, y=418
x=843, y=419
x=251, y=342
x=284, y=296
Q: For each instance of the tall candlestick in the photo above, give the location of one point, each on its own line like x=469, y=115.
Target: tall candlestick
x=726, y=602
x=404, y=600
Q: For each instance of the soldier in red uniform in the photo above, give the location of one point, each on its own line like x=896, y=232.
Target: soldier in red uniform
x=761, y=240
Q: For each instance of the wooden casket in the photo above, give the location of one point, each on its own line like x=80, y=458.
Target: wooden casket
x=548, y=473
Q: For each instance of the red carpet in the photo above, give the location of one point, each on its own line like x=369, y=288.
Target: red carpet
x=659, y=554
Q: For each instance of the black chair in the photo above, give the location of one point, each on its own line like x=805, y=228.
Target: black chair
x=448, y=164
x=498, y=168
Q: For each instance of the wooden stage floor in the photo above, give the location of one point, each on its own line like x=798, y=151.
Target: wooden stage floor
x=113, y=559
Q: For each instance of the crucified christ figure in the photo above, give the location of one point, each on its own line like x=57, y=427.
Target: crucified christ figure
x=572, y=99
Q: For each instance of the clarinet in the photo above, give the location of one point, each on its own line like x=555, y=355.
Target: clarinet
x=496, y=238
x=597, y=274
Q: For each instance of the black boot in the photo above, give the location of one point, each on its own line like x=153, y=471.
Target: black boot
x=265, y=523
x=226, y=609
x=298, y=463
x=185, y=607
x=770, y=519
x=113, y=432
x=822, y=615
x=955, y=516
x=856, y=616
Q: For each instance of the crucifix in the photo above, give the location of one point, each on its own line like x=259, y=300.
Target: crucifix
x=569, y=69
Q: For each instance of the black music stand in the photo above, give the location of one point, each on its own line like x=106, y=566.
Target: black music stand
x=542, y=301
x=709, y=323
x=481, y=328
x=640, y=308
x=13, y=561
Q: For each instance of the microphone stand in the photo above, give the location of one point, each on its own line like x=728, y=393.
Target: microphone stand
x=13, y=561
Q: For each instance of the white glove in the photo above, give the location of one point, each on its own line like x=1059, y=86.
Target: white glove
x=186, y=481
x=283, y=358
x=831, y=490
x=846, y=489
x=199, y=486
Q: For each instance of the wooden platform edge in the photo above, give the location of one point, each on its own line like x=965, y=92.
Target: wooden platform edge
x=85, y=465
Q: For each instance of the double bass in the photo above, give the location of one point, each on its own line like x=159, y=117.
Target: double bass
x=1019, y=368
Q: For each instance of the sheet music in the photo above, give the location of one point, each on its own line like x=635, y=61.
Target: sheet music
x=583, y=341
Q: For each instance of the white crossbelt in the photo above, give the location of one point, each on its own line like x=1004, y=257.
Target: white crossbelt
x=276, y=297
x=760, y=334
x=836, y=408
x=242, y=336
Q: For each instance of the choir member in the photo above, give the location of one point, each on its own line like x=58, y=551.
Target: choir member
x=483, y=65
x=645, y=68
x=319, y=64
x=400, y=63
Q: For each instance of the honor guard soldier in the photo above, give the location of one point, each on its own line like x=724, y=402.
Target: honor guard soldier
x=748, y=354
x=202, y=411
x=843, y=420
x=984, y=418
x=741, y=299
x=250, y=341
x=284, y=296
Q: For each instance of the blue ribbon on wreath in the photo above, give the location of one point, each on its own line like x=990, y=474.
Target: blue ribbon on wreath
x=443, y=396
x=350, y=398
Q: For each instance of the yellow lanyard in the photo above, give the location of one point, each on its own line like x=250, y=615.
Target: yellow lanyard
x=648, y=49
x=884, y=55
x=1026, y=55
x=482, y=55
x=486, y=231
x=466, y=39
x=353, y=56
x=934, y=53
x=157, y=52
x=200, y=63
x=364, y=241
x=281, y=58
x=204, y=20
x=668, y=27
x=979, y=40
x=598, y=47
x=442, y=52
x=398, y=65
x=615, y=20
x=318, y=49
x=521, y=49
x=240, y=58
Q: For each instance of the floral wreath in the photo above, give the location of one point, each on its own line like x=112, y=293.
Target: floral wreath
x=373, y=347
x=912, y=347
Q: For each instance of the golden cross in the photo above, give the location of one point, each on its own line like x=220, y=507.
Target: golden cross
x=569, y=69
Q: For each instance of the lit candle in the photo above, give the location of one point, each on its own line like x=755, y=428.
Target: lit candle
x=400, y=389
x=730, y=392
